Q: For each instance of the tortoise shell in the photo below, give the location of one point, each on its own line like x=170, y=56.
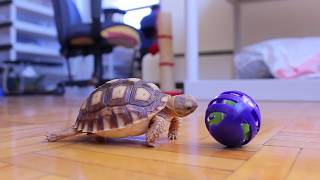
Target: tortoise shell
x=120, y=104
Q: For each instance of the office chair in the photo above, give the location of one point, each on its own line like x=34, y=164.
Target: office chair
x=80, y=39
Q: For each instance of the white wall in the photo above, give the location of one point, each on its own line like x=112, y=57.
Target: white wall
x=215, y=24
x=279, y=18
x=215, y=33
x=210, y=67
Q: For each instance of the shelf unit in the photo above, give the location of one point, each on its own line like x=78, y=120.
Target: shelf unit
x=28, y=43
x=27, y=31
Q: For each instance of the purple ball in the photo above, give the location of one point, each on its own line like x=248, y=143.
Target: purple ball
x=233, y=118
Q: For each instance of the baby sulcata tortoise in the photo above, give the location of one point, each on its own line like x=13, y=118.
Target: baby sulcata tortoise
x=129, y=107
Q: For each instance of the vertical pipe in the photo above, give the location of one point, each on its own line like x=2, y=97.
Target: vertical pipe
x=237, y=32
x=191, y=33
x=111, y=74
x=164, y=25
x=236, y=26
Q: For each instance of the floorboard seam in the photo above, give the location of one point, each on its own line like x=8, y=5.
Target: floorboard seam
x=293, y=163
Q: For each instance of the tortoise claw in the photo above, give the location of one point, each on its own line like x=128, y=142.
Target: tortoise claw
x=172, y=136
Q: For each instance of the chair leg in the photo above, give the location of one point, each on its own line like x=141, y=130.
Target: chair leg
x=135, y=60
x=98, y=68
x=69, y=70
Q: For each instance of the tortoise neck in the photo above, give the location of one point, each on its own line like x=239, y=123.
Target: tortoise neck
x=167, y=113
x=171, y=107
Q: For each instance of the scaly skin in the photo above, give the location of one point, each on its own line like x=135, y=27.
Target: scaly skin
x=158, y=127
x=61, y=134
x=174, y=127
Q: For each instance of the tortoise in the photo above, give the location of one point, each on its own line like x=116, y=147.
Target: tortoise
x=129, y=107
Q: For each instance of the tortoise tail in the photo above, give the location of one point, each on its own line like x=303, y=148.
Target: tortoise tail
x=61, y=134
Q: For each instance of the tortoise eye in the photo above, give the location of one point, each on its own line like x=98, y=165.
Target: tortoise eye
x=188, y=105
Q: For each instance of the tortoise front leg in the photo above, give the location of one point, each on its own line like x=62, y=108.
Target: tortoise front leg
x=61, y=134
x=158, y=126
x=174, y=127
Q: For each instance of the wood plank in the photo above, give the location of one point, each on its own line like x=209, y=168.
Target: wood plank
x=307, y=166
x=269, y=163
x=14, y=135
x=52, y=177
x=9, y=152
x=19, y=128
x=14, y=172
x=104, y=166
x=268, y=130
x=207, y=151
x=211, y=142
x=295, y=133
x=293, y=143
x=146, y=153
x=308, y=123
x=199, y=149
x=3, y=164
x=297, y=138
x=22, y=142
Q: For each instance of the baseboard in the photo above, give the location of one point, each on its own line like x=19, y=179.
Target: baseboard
x=275, y=90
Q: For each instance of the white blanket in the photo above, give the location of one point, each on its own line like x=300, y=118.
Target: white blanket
x=285, y=58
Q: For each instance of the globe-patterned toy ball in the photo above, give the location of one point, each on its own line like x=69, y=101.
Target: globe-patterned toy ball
x=233, y=118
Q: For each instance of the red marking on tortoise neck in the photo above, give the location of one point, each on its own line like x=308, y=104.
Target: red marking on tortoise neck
x=173, y=93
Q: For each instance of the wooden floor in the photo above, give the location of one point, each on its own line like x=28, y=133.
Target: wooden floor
x=287, y=147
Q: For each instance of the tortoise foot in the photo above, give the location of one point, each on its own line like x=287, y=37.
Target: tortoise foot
x=52, y=137
x=172, y=136
x=152, y=144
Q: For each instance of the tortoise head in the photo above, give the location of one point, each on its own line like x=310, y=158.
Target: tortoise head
x=183, y=105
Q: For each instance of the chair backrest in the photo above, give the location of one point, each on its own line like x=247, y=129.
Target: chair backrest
x=66, y=14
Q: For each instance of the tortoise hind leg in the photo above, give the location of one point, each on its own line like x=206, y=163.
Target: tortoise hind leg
x=97, y=138
x=61, y=134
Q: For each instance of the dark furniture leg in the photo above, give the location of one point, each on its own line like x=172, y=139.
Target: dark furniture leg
x=98, y=69
x=69, y=70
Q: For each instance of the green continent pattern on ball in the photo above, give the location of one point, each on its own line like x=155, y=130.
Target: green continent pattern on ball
x=246, y=130
x=231, y=103
x=216, y=117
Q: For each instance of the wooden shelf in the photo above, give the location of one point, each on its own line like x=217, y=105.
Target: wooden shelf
x=33, y=28
x=33, y=7
x=32, y=34
x=35, y=49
